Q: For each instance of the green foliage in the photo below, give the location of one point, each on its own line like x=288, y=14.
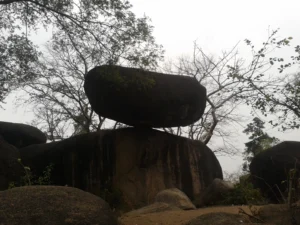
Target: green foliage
x=107, y=26
x=230, y=81
x=292, y=193
x=30, y=179
x=136, y=79
x=18, y=59
x=260, y=141
x=85, y=34
x=111, y=195
x=243, y=194
x=45, y=179
x=283, y=97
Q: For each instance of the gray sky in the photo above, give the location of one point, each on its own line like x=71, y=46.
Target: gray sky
x=216, y=25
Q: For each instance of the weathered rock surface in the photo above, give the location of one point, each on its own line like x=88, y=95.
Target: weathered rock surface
x=219, y=219
x=21, y=135
x=175, y=197
x=138, y=162
x=152, y=208
x=181, y=217
x=10, y=168
x=213, y=193
x=49, y=205
x=279, y=214
x=271, y=167
x=142, y=98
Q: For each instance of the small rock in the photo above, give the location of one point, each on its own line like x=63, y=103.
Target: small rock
x=175, y=197
x=214, y=192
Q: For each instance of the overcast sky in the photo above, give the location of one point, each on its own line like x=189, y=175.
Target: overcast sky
x=216, y=25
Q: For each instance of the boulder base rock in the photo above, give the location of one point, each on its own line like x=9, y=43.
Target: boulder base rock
x=219, y=218
x=21, y=135
x=10, y=169
x=152, y=208
x=213, y=193
x=175, y=197
x=49, y=205
x=138, y=162
x=271, y=167
x=279, y=214
x=141, y=98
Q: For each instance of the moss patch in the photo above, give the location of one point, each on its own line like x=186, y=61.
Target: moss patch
x=136, y=79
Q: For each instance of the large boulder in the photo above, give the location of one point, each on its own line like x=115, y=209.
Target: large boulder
x=141, y=98
x=10, y=169
x=21, y=135
x=137, y=162
x=49, y=205
x=175, y=197
x=270, y=168
x=214, y=193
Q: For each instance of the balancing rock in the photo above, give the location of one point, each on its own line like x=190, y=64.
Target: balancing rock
x=145, y=99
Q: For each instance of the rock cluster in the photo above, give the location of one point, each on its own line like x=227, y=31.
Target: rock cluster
x=12, y=137
x=138, y=162
x=141, y=98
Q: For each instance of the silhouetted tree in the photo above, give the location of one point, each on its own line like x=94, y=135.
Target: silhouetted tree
x=259, y=141
x=103, y=30
x=231, y=82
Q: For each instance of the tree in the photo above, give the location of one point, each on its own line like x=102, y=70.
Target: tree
x=18, y=59
x=282, y=101
x=283, y=98
x=104, y=29
x=58, y=93
x=84, y=34
x=231, y=81
x=260, y=141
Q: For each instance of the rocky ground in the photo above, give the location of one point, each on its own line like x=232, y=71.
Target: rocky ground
x=177, y=217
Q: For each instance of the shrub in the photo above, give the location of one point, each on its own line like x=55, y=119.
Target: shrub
x=30, y=179
x=243, y=194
